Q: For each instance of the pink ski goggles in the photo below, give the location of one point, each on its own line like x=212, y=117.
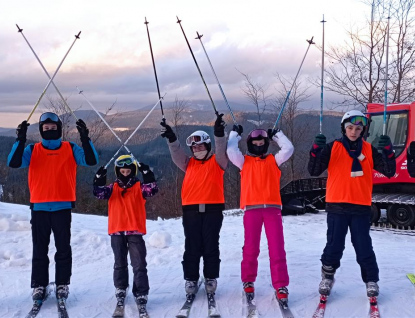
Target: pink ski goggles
x=258, y=133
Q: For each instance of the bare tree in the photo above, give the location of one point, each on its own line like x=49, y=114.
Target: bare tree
x=257, y=95
x=179, y=106
x=357, y=69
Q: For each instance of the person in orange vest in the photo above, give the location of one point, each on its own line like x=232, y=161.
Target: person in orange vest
x=261, y=202
x=350, y=161
x=127, y=222
x=203, y=201
x=52, y=183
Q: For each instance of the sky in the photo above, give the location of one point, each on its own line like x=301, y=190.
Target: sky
x=111, y=61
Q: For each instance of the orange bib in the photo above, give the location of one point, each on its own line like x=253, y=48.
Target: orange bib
x=203, y=182
x=128, y=212
x=341, y=186
x=260, y=181
x=52, y=174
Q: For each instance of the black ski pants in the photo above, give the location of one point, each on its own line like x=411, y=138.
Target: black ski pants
x=135, y=245
x=43, y=223
x=359, y=224
x=201, y=231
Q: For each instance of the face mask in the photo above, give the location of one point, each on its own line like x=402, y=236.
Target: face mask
x=125, y=179
x=200, y=155
x=51, y=134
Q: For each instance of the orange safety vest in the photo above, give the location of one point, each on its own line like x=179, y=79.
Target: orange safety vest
x=128, y=212
x=52, y=174
x=203, y=182
x=260, y=181
x=341, y=186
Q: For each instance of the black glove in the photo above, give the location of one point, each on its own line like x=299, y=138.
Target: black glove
x=411, y=150
x=385, y=144
x=238, y=128
x=320, y=140
x=143, y=168
x=83, y=131
x=100, y=178
x=219, y=128
x=272, y=132
x=167, y=132
x=21, y=131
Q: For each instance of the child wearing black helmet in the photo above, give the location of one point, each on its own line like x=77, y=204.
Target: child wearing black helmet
x=350, y=161
x=127, y=223
x=52, y=183
x=261, y=202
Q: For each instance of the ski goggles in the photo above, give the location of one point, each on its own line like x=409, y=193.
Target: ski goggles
x=195, y=140
x=49, y=117
x=124, y=162
x=258, y=133
x=359, y=120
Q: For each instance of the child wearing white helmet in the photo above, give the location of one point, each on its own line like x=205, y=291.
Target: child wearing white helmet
x=349, y=161
x=261, y=201
x=203, y=201
x=127, y=222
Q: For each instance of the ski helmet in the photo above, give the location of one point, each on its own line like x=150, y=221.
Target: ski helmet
x=50, y=118
x=197, y=138
x=258, y=134
x=126, y=162
x=355, y=117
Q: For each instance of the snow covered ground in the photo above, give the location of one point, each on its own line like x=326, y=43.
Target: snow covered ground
x=92, y=291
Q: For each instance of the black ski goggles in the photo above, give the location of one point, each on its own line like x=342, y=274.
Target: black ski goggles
x=49, y=117
x=124, y=162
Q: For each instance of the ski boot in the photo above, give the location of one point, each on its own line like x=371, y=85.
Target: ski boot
x=211, y=285
x=282, y=295
x=372, y=289
x=39, y=293
x=327, y=280
x=191, y=287
x=249, y=287
x=141, y=301
x=62, y=291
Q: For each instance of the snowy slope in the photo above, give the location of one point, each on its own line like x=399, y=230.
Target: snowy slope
x=92, y=289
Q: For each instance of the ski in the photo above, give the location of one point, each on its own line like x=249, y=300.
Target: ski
x=185, y=310
x=212, y=309
x=37, y=304
x=374, y=309
x=252, y=311
x=62, y=312
x=285, y=310
x=321, y=308
x=411, y=277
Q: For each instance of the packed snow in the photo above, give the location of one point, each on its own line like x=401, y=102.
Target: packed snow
x=92, y=291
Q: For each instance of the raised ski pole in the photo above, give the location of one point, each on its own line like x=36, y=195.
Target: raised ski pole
x=289, y=92
x=46, y=72
x=322, y=81
x=386, y=77
x=194, y=59
x=154, y=68
x=133, y=133
x=199, y=37
x=51, y=80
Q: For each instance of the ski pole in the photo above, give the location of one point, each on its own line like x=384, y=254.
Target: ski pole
x=154, y=68
x=199, y=37
x=289, y=92
x=51, y=80
x=46, y=72
x=322, y=81
x=386, y=77
x=133, y=133
x=194, y=59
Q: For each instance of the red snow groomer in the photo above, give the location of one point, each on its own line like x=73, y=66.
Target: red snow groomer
x=396, y=195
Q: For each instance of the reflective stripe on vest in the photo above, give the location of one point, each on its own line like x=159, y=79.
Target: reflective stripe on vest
x=52, y=174
x=341, y=186
x=128, y=212
x=203, y=182
x=260, y=181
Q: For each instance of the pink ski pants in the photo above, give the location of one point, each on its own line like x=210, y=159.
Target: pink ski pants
x=272, y=220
